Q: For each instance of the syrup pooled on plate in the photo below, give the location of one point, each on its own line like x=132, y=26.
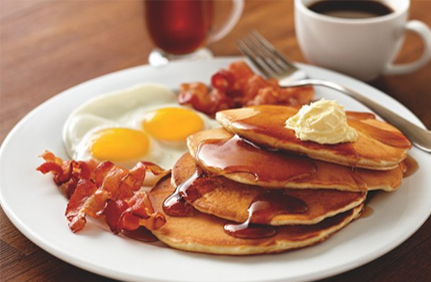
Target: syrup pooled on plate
x=367, y=212
x=411, y=166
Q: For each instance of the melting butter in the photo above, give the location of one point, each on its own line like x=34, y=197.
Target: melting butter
x=323, y=122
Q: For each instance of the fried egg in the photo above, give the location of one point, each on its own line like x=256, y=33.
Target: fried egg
x=143, y=123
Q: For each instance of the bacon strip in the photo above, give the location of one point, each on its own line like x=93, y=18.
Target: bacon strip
x=238, y=86
x=75, y=211
x=105, y=190
x=67, y=173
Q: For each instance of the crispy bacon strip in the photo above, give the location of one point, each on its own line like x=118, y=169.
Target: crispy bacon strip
x=67, y=173
x=75, y=211
x=238, y=86
x=105, y=190
x=130, y=215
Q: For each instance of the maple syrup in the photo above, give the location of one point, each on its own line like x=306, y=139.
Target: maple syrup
x=178, y=26
x=238, y=155
x=367, y=211
x=391, y=138
x=266, y=205
x=270, y=121
x=411, y=166
x=263, y=208
x=175, y=204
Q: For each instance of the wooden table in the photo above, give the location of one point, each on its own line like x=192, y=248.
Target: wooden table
x=49, y=46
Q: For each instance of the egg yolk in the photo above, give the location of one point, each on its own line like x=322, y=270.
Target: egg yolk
x=119, y=144
x=172, y=124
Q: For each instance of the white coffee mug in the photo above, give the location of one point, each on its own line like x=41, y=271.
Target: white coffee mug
x=363, y=48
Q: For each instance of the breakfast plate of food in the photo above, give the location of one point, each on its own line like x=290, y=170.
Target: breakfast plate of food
x=205, y=171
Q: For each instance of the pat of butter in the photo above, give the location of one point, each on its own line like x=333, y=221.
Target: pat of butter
x=323, y=122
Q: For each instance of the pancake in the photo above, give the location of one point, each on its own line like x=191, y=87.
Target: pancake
x=231, y=200
x=245, y=163
x=379, y=146
x=205, y=233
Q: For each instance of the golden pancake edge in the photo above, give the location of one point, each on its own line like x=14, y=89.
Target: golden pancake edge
x=326, y=176
x=205, y=233
x=224, y=198
x=379, y=146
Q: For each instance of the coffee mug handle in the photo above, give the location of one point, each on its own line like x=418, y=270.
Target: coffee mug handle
x=424, y=32
x=237, y=8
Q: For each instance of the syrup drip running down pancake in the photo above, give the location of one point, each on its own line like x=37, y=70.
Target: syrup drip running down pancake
x=379, y=146
x=223, y=153
x=231, y=200
x=205, y=233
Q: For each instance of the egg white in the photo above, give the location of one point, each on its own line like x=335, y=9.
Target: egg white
x=125, y=109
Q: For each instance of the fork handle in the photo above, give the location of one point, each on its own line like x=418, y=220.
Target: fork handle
x=420, y=137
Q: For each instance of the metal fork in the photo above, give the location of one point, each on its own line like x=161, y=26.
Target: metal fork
x=272, y=63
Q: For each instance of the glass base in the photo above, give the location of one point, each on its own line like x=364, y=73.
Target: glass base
x=159, y=58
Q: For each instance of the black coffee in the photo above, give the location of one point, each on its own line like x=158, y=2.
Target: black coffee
x=351, y=9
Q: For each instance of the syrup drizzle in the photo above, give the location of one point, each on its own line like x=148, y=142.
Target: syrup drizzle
x=238, y=155
x=175, y=204
x=263, y=208
x=362, y=184
x=411, y=166
x=367, y=211
x=391, y=138
x=270, y=121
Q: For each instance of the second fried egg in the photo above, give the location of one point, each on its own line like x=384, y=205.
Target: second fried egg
x=143, y=123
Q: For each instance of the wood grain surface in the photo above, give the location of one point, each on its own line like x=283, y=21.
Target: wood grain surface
x=47, y=46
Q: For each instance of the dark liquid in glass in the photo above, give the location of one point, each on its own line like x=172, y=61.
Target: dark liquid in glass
x=351, y=9
x=178, y=26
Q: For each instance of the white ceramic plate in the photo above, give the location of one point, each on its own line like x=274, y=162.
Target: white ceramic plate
x=36, y=207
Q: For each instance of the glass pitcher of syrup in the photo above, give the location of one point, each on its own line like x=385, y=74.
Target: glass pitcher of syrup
x=181, y=29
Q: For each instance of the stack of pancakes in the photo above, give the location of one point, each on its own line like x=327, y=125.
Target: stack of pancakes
x=252, y=187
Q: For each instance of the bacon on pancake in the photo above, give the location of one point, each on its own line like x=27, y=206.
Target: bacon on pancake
x=238, y=86
x=104, y=190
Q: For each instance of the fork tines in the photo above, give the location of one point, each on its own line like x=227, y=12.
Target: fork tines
x=264, y=55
